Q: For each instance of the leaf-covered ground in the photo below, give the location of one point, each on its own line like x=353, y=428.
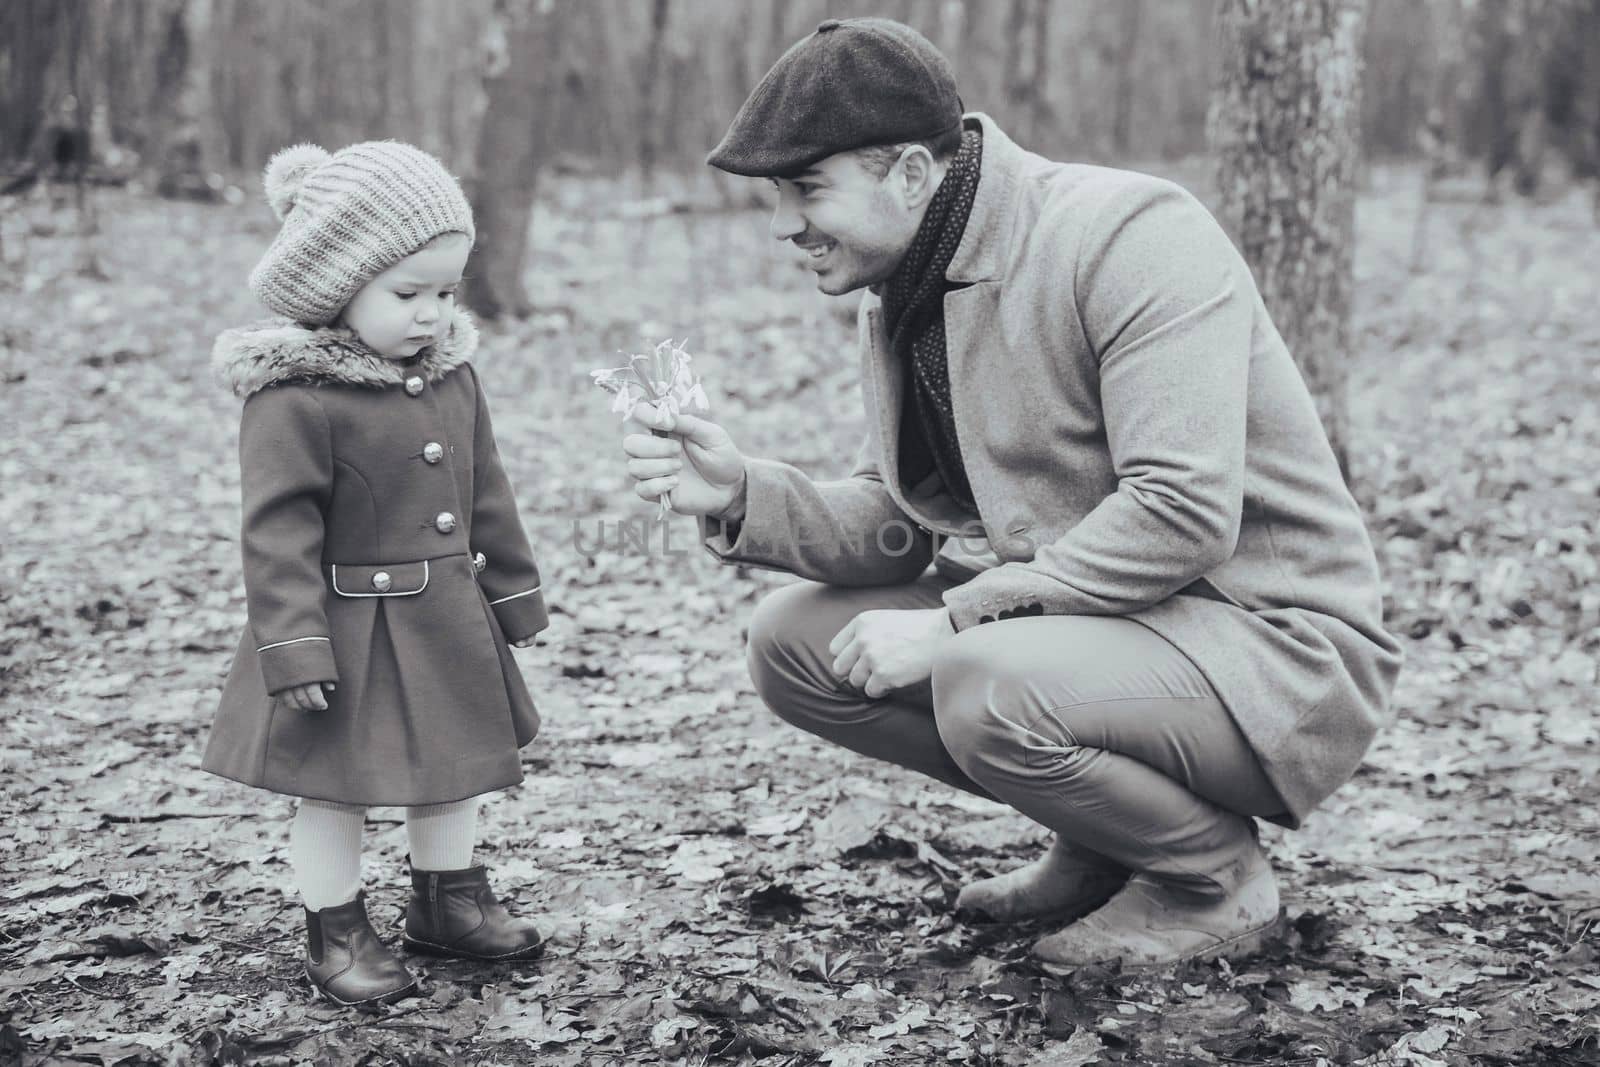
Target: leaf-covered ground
x=719, y=887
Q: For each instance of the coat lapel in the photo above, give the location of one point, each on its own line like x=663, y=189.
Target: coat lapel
x=969, y=315
x=885, y=382
x=885, y=385
x=985, y=246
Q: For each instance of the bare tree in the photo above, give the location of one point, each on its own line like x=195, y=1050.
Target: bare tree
x=518, y=49
x=1490, y=82
x=30, y=32
x=50, y=64
x=181, y=156
x=395, y=35
x=1129, y=14
x=1041, y=112
x=650, y=92
x=1018, y=86
x=1285, y=130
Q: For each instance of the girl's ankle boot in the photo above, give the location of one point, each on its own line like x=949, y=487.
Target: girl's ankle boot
x=346, y=961
x=455, y=913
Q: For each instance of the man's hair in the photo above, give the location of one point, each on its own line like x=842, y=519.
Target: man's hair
x=877, y=159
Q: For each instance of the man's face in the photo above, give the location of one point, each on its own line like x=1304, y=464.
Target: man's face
x=852, y=226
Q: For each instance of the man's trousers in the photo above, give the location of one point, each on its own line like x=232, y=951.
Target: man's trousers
x=1094, y=726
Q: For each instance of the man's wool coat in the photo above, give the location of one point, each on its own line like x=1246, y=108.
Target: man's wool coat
x=1139, y=443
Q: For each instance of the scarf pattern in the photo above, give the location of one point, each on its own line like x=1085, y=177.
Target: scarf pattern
x=913, y=306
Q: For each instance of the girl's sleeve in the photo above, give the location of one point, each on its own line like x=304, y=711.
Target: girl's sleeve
x=286, y=463
x=510, y=577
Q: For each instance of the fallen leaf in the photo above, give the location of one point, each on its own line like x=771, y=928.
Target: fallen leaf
x=853, y=1055
x=520, y=1020
x=852, y=824
x=777, y=823
x=913, y=1019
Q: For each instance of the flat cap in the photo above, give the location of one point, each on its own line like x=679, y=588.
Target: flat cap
x=852, y=83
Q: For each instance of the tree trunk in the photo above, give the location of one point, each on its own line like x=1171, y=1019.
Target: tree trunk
x=28, y=46
x=124, y=76
x=952, y=29
x=395, y=27
x=650, y=116
x=509, y=148
x=1442, y=137
x=181, y=157
x=1127, y=79
x=1018, y=86
x=1585, y=124
x=1285, y=129
x=1041, y=112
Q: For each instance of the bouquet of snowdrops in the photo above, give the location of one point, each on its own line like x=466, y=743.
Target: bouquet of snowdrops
x=662, y=379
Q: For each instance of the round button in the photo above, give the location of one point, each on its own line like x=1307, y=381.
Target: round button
x=444, y=522
x=432, y=452
x=413, y=385
x=479, y=562
x=827, y=24
x=382, y=582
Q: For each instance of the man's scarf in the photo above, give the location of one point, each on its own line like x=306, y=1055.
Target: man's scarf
x=913, y=308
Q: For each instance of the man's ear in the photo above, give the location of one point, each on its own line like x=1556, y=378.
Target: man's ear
x=919, y=174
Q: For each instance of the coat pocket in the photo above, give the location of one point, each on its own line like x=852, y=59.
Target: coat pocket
x=378, y=579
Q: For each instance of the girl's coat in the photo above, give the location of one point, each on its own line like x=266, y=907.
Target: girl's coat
x=382, y=551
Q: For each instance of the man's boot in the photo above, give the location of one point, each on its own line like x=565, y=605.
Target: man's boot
x=346, y=961
x=455, y=913
x=1064, y=883
x=1152, y=924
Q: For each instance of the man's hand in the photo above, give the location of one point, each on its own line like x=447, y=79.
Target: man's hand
x=308, y=697
x=526, y=642
x=879, y=651
x=698, y=464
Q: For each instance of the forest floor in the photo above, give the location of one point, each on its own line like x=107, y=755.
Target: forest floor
x=719, y=887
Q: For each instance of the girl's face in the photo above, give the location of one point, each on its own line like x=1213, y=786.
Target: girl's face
x=406, y=307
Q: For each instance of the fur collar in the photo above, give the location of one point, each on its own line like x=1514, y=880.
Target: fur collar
x=277, y=351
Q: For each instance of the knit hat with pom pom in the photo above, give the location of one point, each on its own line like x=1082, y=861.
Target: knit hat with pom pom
x=348, y=217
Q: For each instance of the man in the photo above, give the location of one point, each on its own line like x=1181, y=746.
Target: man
x=1182, y=631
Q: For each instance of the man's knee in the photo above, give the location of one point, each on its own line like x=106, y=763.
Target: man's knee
x=979, y=696
x=780, y=635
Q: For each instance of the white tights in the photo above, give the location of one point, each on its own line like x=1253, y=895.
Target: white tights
x=325, y=845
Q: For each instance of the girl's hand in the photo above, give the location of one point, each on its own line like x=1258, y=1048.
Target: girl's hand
x=307, y=697
x=526, y=642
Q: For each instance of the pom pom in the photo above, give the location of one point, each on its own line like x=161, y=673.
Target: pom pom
x=287, y=171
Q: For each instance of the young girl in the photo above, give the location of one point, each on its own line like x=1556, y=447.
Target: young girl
x=385, y=569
